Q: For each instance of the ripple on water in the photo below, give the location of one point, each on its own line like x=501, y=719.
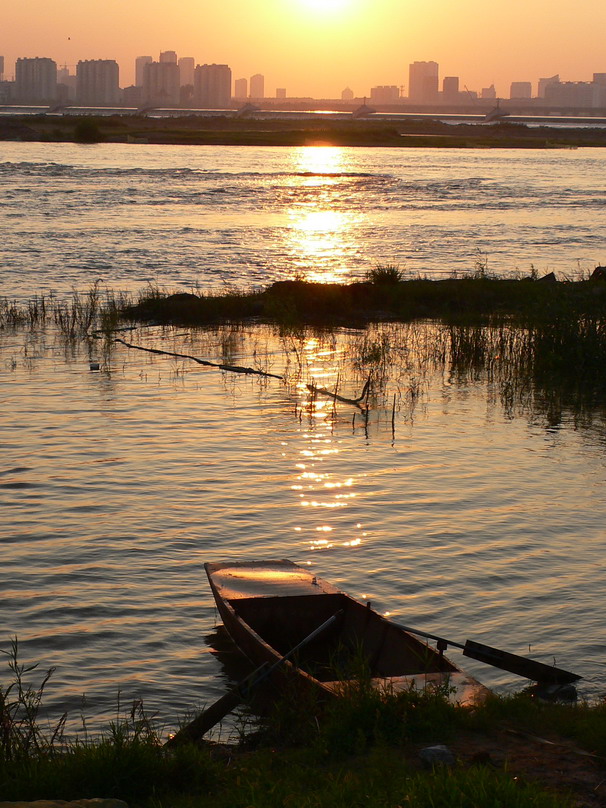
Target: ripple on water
x=465, y=522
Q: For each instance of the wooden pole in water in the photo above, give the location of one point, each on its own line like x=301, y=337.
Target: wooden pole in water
x=197, y=728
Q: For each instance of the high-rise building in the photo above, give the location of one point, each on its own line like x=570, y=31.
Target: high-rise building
x=161, y=84
x=257, y=86
x=520, y=89
x=281, y=92
x=599, y=90
x=66, y=85
x=543, y=83
x=423, y=82
x=35, y=80
x=98, y=82
x=450, y=89
x=347, y=94
x=212, y=86
x=168, y=57
x=1, y=68
x=140, y=63
x=571, y=94
x=488, y=92
x=384, y=94
x=241, y=88
x=187, y=65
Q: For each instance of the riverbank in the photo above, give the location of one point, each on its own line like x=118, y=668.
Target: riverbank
x=247, y=131
x=384, y=296
x=377, y=750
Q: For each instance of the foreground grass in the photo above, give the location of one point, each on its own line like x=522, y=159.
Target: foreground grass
x=359, y=750
x=270, y=779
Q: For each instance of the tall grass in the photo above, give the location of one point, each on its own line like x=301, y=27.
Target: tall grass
x=358, y=750
x=20, y=734
x=558, y=364
x=38, y=761
x=542, y=345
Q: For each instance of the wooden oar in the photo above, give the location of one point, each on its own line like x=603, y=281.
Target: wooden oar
x=521, y=666
x=213, y=714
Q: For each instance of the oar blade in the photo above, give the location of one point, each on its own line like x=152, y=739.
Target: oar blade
x=529, y=668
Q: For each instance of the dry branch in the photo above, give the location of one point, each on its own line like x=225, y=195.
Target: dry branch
x=205, y=362
x=355, y=402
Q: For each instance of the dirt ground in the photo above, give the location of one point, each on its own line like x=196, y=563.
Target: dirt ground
x=553, y=763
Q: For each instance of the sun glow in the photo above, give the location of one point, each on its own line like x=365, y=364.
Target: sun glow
x=325, y=7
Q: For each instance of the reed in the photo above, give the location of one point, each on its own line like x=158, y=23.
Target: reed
x=557, y=363
x=30, y=314
x=543, y=345
x=357, y=750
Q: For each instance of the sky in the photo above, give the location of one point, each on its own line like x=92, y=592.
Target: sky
x=319, y=47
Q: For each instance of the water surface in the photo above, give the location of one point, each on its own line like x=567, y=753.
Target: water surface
x=461, y=514
x=116, y=486
x=210, y=217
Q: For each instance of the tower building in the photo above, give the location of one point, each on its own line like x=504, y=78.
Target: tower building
x=187, y=65
x=36, y=80
x=98, y=82
x=257, y=86
x=212, y=86
x=241, y=88
x=140, y=63
x=161, y=84
x=423, y=82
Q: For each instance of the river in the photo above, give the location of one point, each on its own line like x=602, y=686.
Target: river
x=216, y=217
x=461, y=515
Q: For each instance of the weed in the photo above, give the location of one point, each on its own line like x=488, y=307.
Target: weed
x=20, y=703
x=385, y=275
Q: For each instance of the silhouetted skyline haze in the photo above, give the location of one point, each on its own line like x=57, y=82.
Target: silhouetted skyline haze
x=318, y=47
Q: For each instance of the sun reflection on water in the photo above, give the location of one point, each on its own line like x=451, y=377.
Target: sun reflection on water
x=320, y=235
x=324, y=496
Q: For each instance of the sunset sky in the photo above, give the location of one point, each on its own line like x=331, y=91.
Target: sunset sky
x=318, y=47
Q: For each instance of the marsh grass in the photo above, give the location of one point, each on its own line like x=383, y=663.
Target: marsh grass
x=540, y=346
x=76, y=315
x=385, y=274
x=38, y=761
x=30, y=314
x=348, y=752
x=551, y=366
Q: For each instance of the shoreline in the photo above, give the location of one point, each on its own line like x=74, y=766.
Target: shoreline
x=383, y=297
x=229, y=131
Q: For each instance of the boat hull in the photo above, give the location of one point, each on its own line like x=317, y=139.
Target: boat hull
x=269, y=607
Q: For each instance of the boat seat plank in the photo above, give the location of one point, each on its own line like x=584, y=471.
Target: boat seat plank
x=266, y=579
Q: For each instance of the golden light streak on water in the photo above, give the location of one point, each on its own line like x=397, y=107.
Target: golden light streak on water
x=319, y=488
x=319, y=160
x=318, y=233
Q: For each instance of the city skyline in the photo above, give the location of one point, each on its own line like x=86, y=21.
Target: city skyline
x=319, y=47
x=174, y=80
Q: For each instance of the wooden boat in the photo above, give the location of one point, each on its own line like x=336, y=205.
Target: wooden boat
x=269, y=607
